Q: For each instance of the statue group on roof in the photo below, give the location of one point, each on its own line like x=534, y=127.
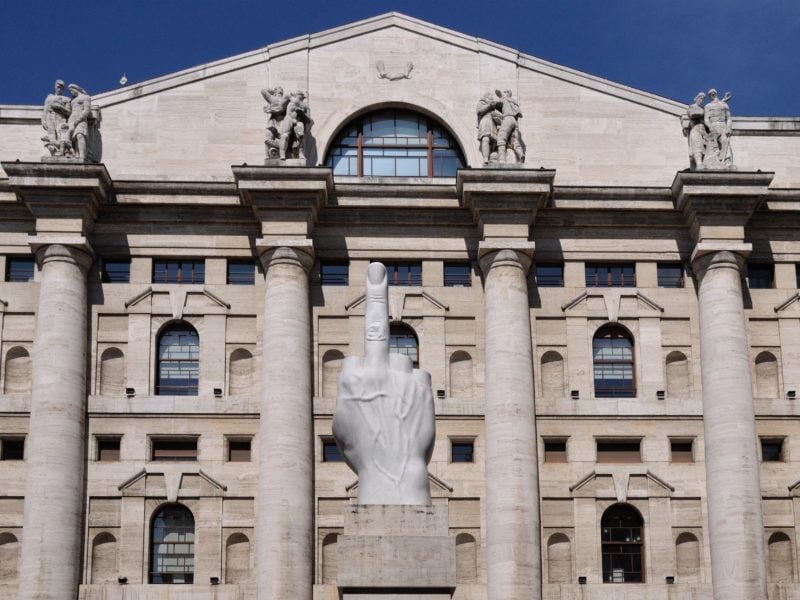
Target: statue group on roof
x=498, y=128
x=709, y=131
x=70, y=123
x=289, y=119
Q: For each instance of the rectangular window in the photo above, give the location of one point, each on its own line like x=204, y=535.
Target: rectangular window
x=610, y=275
x=555, y=451
x=797, y=275
x=404, y=273
x=550, y=275
x=117, y=271
x=760, y=276
x=618, y=451
x=108, y=449
x=334, y=273
x=330, y=451
x=239, y=450
x=670, y=275
x=20, y=269
x=179, y=271
x=771, y=449
x=12, y=448
x=457, y=274
x=681, y=451
x=174, y=449
x=462, y=451
x=241, y=272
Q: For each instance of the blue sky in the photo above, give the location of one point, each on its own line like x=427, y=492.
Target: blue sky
x=674, y=48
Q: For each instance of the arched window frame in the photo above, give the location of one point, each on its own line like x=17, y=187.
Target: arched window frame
x=400, y=335
x=622, y=535
x=609, y=357
x=434, y=144
x=181, y=547
x=190, y=365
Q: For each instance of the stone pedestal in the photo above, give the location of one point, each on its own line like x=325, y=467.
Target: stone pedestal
x=402, y=552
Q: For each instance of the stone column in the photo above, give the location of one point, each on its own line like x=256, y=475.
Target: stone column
x=513, y=552
x=285, y=514
x=55, y=448
x=736, y=530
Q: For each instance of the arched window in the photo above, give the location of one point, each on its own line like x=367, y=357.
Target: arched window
x=18, y=371
x=687, y=557
x=330, y=558
x=622, y=538
x=781, y=562
x=461, y=374
x=559, y=559
x=178, y=361
x=677, y=375
x=552, y=375
x=766, y=375
x=104, y=558
x=466, y=558
x=172, y=545
x=112, y=371
x=612, y=353
x=403, y=340
x=240, y=372
x=394, y=143
x=237, y=558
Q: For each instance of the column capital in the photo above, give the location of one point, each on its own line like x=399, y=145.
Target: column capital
x=48, y=248
x=492, y=253
x=299, y=252
x=726, y=256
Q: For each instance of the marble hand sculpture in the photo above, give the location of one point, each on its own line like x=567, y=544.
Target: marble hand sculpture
x=384, y=416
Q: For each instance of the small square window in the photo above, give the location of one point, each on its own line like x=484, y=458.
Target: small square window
x=20, y=269
x=549, y=275
x=108, y=449
x=239, y=450
x=610, y=275
x=12, y=448
x=165, y=449
x=462, y=451
x=334, y=273
x=797, y=275
x=670, y=275
x=682, y=451
x=241, y=272
x=457, y=274
x=117, y=271
x=771, y=450
x=555, y=451
x=760, y=276
x=619, y=451
x=330, y=451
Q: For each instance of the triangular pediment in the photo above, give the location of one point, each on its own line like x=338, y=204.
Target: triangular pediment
x=612, y=304
x=177, y=301
x=171, y=481
x=404, y=303
x=621, y=482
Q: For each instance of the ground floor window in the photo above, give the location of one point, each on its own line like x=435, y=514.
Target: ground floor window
x=172, y=543
x=622, y=538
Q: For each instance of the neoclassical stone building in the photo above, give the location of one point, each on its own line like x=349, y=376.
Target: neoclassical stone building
x=613, y=339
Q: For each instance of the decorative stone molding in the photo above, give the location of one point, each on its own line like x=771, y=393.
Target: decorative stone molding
x=621, y=479
x=612, y=299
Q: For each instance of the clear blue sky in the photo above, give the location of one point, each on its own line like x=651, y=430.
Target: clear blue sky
x=674, y=48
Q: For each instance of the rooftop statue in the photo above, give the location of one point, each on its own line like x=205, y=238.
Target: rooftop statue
x=709, y=131
x=289, y=120
x=498, y=127
x=71, y=124
x=383, y=422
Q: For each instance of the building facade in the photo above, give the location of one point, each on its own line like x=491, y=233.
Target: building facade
x=613, y=338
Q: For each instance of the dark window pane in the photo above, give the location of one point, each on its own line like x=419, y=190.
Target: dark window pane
x=555, y=451
x=622, y=544
x=117, y=271
x=241, y=272
x=772, y=450
x=334, y=273
x=178, y=271
x=173, y=450
x=612, y=352
x=330, y=452
x=760, y=276
x=108, y=449
x=239, y=450
x=402, y=340
x=681, y=451
x=178, y=361
x=172, y=546
x=550, y=275
x=462, y=452
x=618, y=452
x=670, y=275
x=12, y=449
x=20, y=269
x=457, y=274
x=610, y=275
x=404, y=273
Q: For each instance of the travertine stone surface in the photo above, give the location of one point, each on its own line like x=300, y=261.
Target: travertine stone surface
x=732, y=468
x=285, y=513
x=512, y=526
x=51, y=548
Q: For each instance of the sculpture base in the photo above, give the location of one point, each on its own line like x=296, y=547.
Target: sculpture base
x=287, y=162
x=503, y=165
x=396, y=552
x=64, y=159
